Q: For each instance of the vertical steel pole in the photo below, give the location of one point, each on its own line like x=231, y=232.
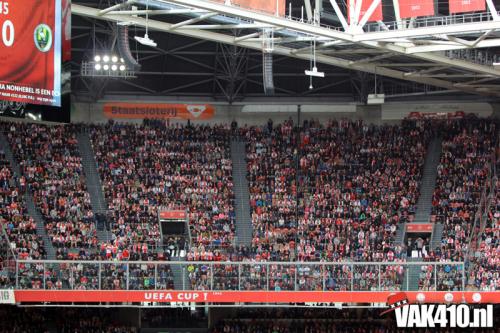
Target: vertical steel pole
x=239, y=276
x=156, y=276
x=100, y=278
x=44, y=274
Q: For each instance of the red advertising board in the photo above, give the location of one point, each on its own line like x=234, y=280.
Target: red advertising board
x=436, y=115
x=419, y=227
x=415, y=8
x=173, y=215
x=166, y=296
x=30, y=51
x=267, y=6
x=158, y=111
x=463, y=6
x=66, y=30
x=376, y=16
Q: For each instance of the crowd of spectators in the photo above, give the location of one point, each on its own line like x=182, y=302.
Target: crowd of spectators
x=51, y=166
x=337, y=194
x=144, y=168
x=331, y=193
x=484, y=272
x=463, y=173
x=19, y=227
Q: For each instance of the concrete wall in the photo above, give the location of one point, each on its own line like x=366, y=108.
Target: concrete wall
x=93, y=113
x=257, y=114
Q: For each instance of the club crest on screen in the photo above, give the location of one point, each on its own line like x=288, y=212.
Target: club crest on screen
x=43, y=37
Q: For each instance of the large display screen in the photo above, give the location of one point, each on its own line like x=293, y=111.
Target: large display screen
x=30, y=51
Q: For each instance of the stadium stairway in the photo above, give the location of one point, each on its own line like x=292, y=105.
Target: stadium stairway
x=244, y=230
x=30, y=203
x=413, y=275
x=437, y=235
x=428, y=184
x=93, y=182
x=180, y=276
x=400, y=234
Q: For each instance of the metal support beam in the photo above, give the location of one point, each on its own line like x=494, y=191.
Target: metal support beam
x=280, y=50
x=340, y=15
x=493, y=10
x=115, y=7
x=369, y=13
x=193, y=20
x=226, y=26
x=152, y=12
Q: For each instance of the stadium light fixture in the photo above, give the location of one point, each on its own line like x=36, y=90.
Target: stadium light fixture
x=146, y=40
x=106, y=65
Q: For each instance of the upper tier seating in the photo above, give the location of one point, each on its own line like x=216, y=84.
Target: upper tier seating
x=49, y=159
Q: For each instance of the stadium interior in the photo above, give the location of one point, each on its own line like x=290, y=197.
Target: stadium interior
x=232, y=166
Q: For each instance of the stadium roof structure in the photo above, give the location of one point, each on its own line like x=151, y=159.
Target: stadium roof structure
x=219, y=51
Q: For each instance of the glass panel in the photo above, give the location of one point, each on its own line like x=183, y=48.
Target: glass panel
x=281, y=277
x=199, y=277
x=141, y=276
x=30, y=276
x=253, y=277
x=309, y=278
x=426, y=277
x=85, y=276
x=449, y=277
x=365, y=277
x=338, y=277
x=113, y=276
x=225, y=277
x=392, y=277
x=58, y=276
x=165, y=278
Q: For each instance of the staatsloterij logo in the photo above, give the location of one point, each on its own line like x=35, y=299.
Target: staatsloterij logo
x=437, y=315
x=43, y=37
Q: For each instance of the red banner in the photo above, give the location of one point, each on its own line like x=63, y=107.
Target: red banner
x=158, y=111
x=415, y=8
x=376, y=16
x=173, y=215
x=419, y=227
x=267, y=6
x=463, y=6
x=30, y=51
x=120, y=296
x=436, y=115
x=66, y=30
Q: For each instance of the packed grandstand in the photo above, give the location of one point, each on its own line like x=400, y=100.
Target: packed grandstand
x=332, y=196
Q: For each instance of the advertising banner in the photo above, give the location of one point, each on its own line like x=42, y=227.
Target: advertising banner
x=415, y=8
x=173, y=215
x=267, y=6
x=30, y=51
x=158, y=111
x=463, y=6
x=167, y=296
x=376, y=16
x=419, y=227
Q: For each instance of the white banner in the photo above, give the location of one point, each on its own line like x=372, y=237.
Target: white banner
x=308, y=108
x=399, y=111
x=7, y=296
